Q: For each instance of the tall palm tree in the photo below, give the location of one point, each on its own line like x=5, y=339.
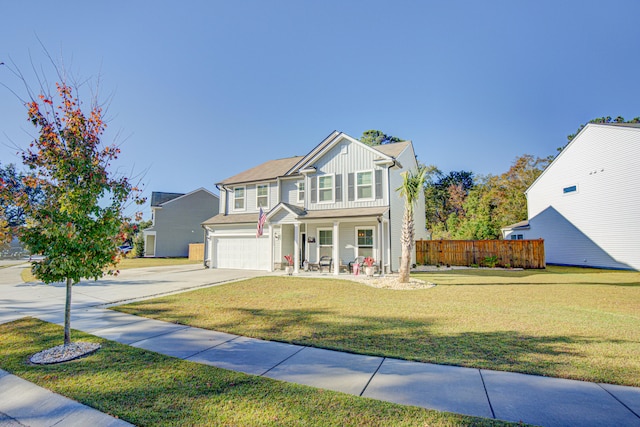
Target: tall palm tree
x=412, y=186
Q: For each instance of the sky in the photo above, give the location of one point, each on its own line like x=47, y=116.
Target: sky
x=198, y=91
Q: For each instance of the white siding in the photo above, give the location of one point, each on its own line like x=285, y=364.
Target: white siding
x=598, y=224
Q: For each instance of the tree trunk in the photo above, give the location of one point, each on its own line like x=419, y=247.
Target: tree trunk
x=67, y=314
x=406, y=241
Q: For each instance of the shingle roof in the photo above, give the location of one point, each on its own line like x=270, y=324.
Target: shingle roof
x=158, y=197
x=346, y=213
x=393, y=149
x=268, y=170
x=233, y=219
x=248, y=218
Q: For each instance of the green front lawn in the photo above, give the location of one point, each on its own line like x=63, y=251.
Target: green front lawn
x=564, y=322
x=149, y=389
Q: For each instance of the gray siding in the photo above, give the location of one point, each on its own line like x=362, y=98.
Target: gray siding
x=178, y=223
x=344, y=158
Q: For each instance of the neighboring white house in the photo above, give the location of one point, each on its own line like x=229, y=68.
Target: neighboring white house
x=176, y=219
x=339, y=201
x=585, y=204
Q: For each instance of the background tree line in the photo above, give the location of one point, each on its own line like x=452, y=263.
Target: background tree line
x=462, y=206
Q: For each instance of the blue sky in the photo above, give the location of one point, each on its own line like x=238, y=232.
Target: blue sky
x=201, y=90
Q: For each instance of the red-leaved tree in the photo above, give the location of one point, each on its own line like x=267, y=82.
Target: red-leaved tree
x=81, y=221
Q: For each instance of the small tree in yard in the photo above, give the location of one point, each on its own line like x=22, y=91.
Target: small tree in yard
x=412, y=187
x=81, y=222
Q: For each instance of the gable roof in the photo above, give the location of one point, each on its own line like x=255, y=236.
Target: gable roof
x=394, y=149
x=268, y=170
x=158, y=198
x=273, y=169
x=635, y=127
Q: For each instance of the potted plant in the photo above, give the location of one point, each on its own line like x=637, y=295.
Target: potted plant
x=289, y=268
x=368, y=269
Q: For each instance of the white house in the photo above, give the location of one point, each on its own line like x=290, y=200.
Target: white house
x=585, y=204
x=339, y=202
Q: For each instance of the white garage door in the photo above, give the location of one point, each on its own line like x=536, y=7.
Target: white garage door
x=247, y=253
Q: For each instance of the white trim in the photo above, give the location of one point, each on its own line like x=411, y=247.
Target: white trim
x=373, y=186
x=244, y=198
x=304, y=191
x=155, y=242
x=258, y=196
x=374, y=249
x=333, y=188
x=318, y=245
x=327, y=144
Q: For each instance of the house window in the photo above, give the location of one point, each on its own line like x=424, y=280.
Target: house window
x=325, y=242
x=571, y=189
x=364, y=185
x=517, y=237
x=364, y=239
x=325, y=188
x=262, y=196
x=238, y=198
x=301, y=191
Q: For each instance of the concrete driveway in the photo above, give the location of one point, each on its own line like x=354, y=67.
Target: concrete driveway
x=18, y=299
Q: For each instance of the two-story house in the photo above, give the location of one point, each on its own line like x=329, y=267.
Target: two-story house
x=176, y=221
x=585, y=204
x=339, y=201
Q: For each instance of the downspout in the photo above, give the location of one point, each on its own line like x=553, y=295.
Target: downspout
x=389, y=227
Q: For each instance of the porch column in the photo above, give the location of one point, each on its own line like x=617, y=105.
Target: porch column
x=336, y=248
x=296, y=248
x=270, y=247
x=381, y=254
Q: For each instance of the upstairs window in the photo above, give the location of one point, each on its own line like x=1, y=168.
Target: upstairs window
x=238, y=198
x=262, y=196
x=325, y=188
x=364, y=185
x=570, y=189
x=301, y=191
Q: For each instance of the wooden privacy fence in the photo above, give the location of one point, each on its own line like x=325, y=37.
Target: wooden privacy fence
x=501, y=253
x=196, y=251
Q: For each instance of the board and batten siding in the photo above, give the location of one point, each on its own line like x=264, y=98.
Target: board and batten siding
x=597, y=224
x=344, y=158
x=289, y=191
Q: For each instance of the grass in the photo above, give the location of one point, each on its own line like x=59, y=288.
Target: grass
x=573, y=323
x=147, y=388
x=128, y=263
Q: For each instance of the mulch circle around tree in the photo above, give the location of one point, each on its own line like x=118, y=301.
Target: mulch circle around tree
x=64, y=353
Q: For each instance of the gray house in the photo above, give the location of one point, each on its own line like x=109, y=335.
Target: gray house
x=337, y=202
x=176, y=219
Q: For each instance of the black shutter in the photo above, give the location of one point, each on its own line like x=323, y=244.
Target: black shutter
x=314, y=193
x=350, y=193
x=338, y=187
x=378, y=184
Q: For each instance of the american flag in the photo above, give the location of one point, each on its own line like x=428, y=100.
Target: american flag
x=261, y=219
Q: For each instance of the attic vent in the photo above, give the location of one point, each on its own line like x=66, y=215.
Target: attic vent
x=344, y=149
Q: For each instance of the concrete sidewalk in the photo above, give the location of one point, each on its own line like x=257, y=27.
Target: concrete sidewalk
x=491, y=394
